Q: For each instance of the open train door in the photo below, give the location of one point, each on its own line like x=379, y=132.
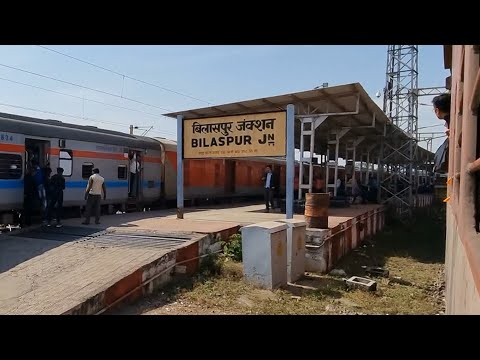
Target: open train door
x=135, y=177
x=37, y=151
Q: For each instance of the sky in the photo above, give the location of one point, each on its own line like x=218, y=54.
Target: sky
x=191, y=77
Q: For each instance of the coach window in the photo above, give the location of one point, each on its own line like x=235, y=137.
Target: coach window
x=122, y=172
x=87, y=169
x=10, y=166
x=65, y=162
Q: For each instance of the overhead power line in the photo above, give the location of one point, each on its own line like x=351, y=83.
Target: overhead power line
x=83, y=87
x=76, y=116
x=123, y=75
x=78, y=97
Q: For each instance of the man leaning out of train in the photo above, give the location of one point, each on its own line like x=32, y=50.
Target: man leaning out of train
x=93, y=195
x=441, y=107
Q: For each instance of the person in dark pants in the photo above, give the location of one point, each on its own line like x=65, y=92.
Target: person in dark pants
x=372, y=189
x=38, y=175
x=56, y=187
x=134, y=175
x=93, y=195
x=47, y=171
x=30, y=193
x=268, y=181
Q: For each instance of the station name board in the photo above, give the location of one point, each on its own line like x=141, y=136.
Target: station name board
x=250, y=135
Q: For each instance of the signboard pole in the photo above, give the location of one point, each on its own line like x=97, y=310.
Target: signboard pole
x=179, y=167
x=290, y=160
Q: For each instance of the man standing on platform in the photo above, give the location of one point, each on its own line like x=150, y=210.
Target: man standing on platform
x=93, y=195
x=269, y=187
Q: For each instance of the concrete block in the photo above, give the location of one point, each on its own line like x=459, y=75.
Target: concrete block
x=362, y=283
x=338, y=272
x=316, y=236
x=295, y=248
x=315, y=258
x=376, y=271
x=264, y=251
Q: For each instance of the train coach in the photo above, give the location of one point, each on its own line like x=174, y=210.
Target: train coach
x=78, y=149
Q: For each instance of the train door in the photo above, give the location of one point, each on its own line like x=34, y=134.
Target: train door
x=230, y=176
x=38, y=152
x=135, y=179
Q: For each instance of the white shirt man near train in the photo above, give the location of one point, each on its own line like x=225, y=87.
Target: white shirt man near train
x=269, y=187
x=93, y=195
x=135, y=169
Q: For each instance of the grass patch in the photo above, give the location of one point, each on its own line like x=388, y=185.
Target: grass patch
x=414, y=252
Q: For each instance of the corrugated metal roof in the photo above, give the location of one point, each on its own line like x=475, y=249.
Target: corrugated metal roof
x=329, y=100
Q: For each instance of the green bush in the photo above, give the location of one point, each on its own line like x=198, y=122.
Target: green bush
x=211, y=265
x=232, y=249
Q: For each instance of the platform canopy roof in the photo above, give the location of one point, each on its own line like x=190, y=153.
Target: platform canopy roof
x=347, y=106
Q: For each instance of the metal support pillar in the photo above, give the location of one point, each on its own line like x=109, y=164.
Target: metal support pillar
x=302, y=149
x=368, y=167
x=369, y=150
x=327, y=169
x=338, y=136
x=179, y=167
x=346, y=160
x=379, y=174
x=354, y=171
x=307, y=129
x=290, y=171
x=361, y=169
x=355, y=144
x=337, y=145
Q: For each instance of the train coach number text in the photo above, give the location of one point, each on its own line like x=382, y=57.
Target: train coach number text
x=6, y=137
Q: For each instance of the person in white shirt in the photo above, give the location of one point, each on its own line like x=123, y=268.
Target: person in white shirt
x=340, y=187
x=356, y=190
x=268, y=184
x=93, y=195
x=134, y=170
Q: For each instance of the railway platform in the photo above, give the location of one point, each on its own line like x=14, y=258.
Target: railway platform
x=80, y=269
x=89, y=269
